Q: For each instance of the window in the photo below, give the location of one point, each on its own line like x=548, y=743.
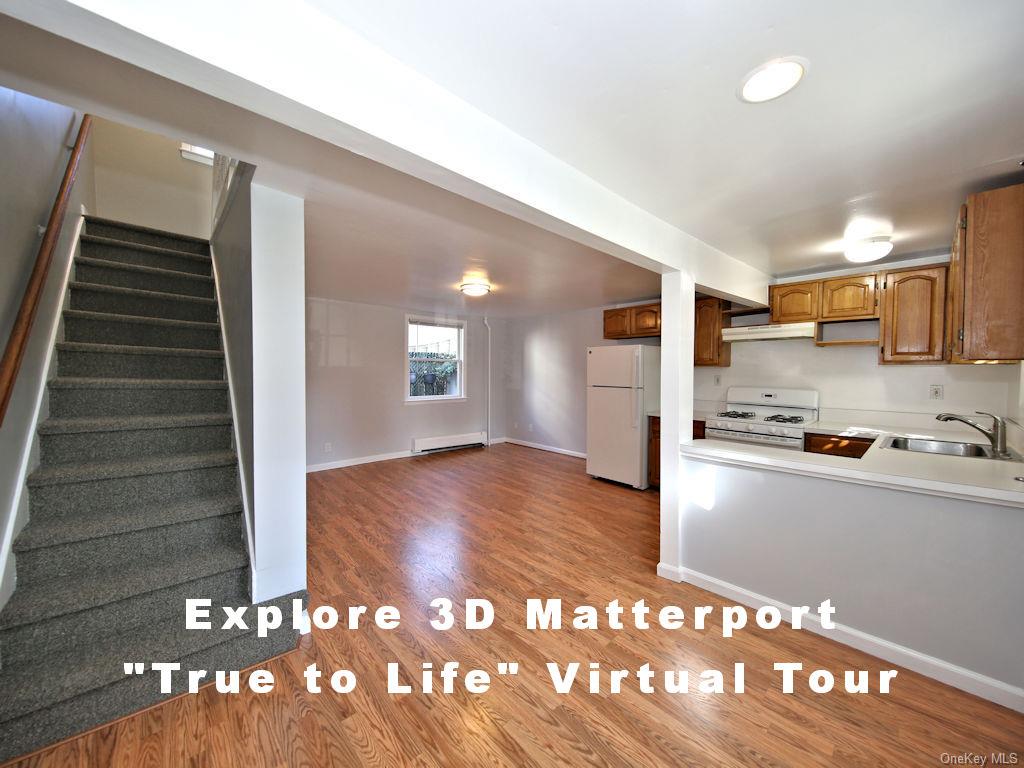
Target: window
x=196, y=154
x=436, y=370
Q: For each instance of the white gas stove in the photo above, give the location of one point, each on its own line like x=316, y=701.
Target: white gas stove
x=774, y=417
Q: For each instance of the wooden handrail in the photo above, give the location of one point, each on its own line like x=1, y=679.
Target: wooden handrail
x=18, y=341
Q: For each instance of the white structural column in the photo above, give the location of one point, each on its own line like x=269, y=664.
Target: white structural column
x=677, y=323
x=279, y=393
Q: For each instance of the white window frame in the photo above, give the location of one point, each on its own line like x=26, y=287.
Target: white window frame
x=444, y=322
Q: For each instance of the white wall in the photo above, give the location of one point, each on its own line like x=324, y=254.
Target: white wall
x=356, y=385
x=543, y=371
x=279, y=393
x=142, y=178
x=851, y=378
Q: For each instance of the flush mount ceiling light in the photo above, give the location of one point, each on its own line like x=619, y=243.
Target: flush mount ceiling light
x=868, y=249
x=475, y=288
x=772, y=79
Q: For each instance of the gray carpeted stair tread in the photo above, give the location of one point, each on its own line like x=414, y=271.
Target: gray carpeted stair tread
x=89, y=382
x=142, y=269
x=101, y=663
x=106, y=470
x=130, y=694
x=77, y=285
x=67, y=426
x=124, y=349
x=36, y=602
x=48, y=532
x=90, y=219
x=110, y=317
x=114, y=242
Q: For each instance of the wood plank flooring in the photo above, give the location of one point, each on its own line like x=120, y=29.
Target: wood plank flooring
x=507, y=523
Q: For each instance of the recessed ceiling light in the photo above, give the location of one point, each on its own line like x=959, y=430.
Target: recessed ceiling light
x=772, y=79
x=868, y=249
x=475, y=288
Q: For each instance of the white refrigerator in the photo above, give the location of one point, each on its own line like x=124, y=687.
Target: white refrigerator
x=623, y=386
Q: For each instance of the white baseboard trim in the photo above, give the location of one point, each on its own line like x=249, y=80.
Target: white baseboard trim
x=358, y=460
x=945, y=672
x=539, y=446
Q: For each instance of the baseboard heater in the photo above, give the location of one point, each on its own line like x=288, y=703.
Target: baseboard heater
x=446, y=442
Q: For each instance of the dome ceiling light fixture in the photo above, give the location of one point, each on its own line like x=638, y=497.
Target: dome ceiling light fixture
x=772, y=79
x=868, y=249
x=475, y=288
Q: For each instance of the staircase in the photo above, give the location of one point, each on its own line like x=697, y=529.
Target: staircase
x=135, y=504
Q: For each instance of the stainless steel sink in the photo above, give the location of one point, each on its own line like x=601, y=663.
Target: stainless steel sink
x=940, y=446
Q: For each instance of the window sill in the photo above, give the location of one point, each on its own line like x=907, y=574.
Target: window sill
x=438, y=399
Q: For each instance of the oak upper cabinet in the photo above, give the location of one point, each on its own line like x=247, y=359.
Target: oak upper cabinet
x=633, y=322
x=708, y=348
x=794, y=302
x=849, y=298
x=987, y=278
x=913, y=316
x=647, y=320
x=616, y=323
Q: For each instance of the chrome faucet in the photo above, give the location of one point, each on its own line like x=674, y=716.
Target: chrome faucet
x=996, y=435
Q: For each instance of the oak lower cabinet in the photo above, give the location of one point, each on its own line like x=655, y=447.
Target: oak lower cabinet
x=986, y=278
x=837, y=445
x=708, y=347
x=654, y=451
x=849, y=298
x=913, y=316
x=795, y=302
x=635, y=322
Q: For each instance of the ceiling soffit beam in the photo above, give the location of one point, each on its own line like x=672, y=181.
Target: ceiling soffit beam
x=336, y=86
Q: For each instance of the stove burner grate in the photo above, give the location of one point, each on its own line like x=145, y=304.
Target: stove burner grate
x=736, y=414
x=782, y=419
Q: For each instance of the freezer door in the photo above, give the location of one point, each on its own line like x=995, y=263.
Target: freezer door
x=616, y=435
x=617, y=366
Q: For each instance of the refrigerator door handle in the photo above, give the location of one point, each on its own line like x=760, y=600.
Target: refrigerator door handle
x=636, y=411
x=637, y=369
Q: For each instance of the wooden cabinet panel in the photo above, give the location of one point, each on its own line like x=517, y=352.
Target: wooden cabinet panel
x=837, y=445
x=633, y=322
x=616, y=323
x=993, y=276
x=654, y=451
x=849, y=298
x=708, y=348
x=913, y=316
x=646, y=320
x=795, y=302
x=698, y=430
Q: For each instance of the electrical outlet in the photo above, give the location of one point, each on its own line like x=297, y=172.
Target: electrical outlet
x=328, y=448
x=718, y=379
x=935, y=392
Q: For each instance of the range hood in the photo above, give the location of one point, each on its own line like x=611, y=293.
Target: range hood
x=764, y=332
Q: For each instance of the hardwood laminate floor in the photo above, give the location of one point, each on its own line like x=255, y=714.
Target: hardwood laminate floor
x=508, y=523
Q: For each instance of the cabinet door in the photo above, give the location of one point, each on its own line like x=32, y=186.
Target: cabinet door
x=646, y=320
x=994, y=275
x=849, y=298
x=795, y=302
x=708, y=348
x=837, y=445
x=913, y=316
x=698, y=430
x=616, y=323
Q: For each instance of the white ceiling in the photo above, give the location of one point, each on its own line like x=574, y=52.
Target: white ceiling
x=906, y=106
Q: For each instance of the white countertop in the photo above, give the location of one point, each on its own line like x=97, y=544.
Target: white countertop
x=974, y=479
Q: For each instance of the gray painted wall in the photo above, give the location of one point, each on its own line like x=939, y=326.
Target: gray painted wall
x=543, y=371
x=232, y=256
x=34, y=135
x=940, y=576
x=355, y=385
